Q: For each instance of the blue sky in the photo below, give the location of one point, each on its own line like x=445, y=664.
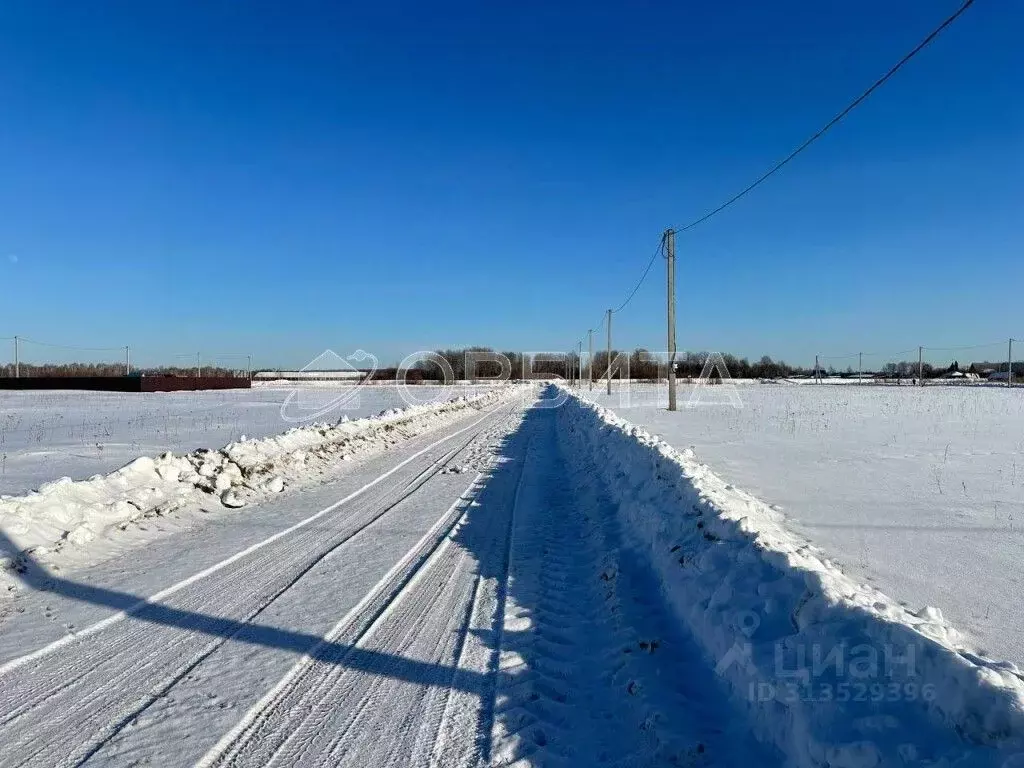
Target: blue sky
x=278, y=178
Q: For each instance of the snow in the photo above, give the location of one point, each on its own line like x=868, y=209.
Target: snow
x=833, y=672
x=77, y=513
x=323, y=375
x=917, y=491
x=213, y=616
x=50, y=434
x=593, y=668
x=481, y=584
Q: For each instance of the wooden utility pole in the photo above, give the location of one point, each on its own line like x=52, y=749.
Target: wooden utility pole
x=860, y=367
x=609, y=324
x=817, y=371
x=127, y=360
x=920, y=366
x=17, y=363
x=670, y=256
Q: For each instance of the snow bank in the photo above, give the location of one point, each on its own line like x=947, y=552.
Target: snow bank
x=46, y=434
x=832, y=672
x=76, y=513
x=917, y=491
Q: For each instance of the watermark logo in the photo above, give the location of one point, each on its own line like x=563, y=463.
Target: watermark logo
x=822, y=672
x=331, y=382
x=714, y=386
x=313, y=397
x=742, y=652
x=419, y=360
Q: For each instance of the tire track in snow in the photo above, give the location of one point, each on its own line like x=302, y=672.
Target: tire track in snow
x=592, y=669
x=408, y=489
x=454, y=745
x=163, y=594
x=428, y=611
x=64, y=711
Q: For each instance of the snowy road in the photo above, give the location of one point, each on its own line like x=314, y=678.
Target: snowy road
x=413, y=616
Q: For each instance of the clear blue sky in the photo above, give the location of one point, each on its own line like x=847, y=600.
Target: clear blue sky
x=283, y=177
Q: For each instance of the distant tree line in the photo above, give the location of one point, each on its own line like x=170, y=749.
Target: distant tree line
x=642, y=364
x=639, y=363
x=645, y=365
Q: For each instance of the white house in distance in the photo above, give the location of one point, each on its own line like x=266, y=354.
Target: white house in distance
x=327, y=366
x=310, y=375
x=961, y=376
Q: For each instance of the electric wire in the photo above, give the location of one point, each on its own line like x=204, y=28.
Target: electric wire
x=835, y=120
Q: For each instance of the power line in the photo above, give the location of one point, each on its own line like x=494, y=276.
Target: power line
x=892, y=354
x=963, y=348
x=647, y=269
x=821, y=132
x=839, y=357
x=68, y=346
x=853, y=105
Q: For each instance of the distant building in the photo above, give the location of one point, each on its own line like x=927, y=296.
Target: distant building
x=960, y=376
x=310, y=375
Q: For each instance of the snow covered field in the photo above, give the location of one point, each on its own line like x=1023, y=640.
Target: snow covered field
x=49, y=434
x=918, y=491
x=486, y=583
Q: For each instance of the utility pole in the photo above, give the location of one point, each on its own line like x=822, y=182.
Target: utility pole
x=127, y=360
x=199, y=367
x=248, y=367
x=609, y=351
x=17, y=364
x=920, y=366
x=579, y=374
x=590, y=359
x=860, y=367
x=817, y=371
x=670, y=251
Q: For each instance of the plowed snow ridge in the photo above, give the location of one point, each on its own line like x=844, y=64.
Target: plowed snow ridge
x=67, y=517
x=832, y=672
